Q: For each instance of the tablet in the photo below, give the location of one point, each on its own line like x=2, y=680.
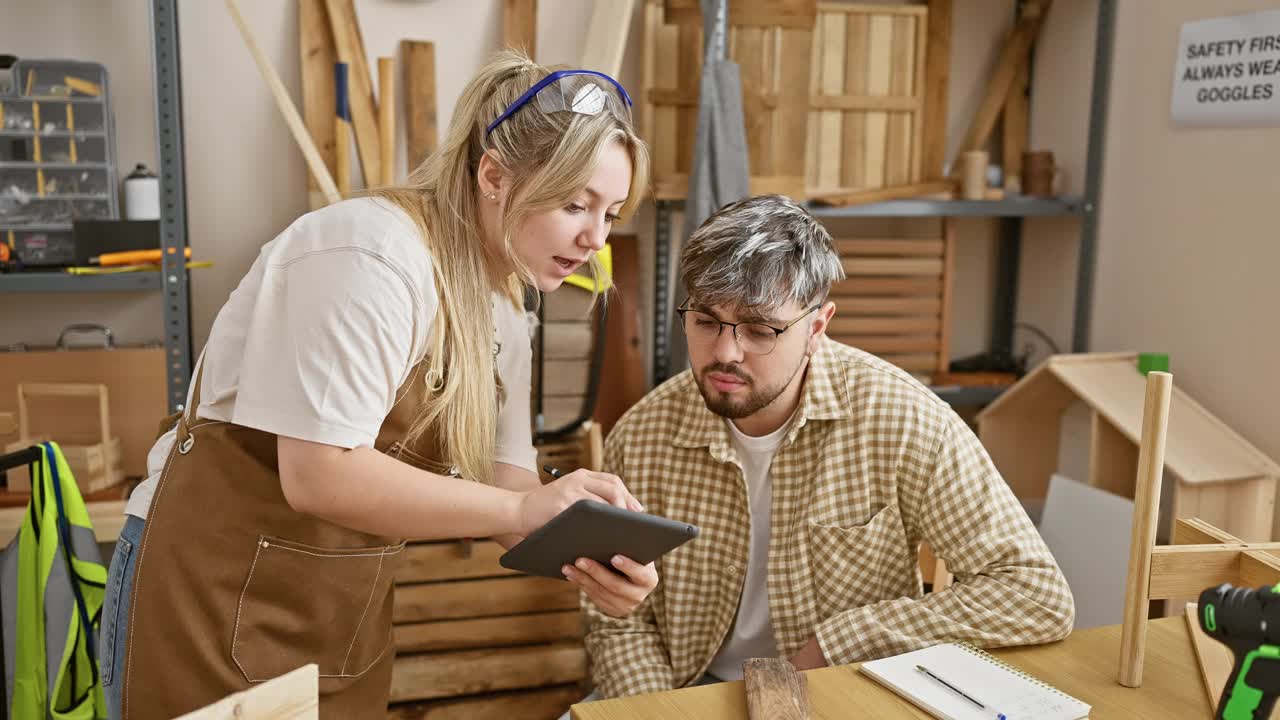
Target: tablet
x=598, y=531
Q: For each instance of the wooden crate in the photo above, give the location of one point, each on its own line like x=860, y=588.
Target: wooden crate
x=866, y=120
x=475, y=640
x=94, y=459
x=770, y=41
x=896, y=300
x=833, y=99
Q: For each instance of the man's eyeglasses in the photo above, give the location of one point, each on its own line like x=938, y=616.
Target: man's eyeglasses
x=756, y=338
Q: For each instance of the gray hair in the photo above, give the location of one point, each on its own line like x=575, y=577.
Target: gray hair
x=759, y=253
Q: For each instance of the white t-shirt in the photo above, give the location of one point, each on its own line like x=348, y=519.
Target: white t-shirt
x=326, y=326
x=752, y=632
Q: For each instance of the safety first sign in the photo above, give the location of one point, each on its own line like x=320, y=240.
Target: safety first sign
x=1228, y=72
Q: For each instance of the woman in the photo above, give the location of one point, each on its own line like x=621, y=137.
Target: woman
x=368, y=381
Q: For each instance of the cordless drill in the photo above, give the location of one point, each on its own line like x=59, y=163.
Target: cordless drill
x=1248, y=622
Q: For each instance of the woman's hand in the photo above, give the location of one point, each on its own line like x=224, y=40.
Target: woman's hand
x=615, y=594
x=540, y=505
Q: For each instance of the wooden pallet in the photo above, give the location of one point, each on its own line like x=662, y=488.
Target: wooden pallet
x=833, y=101
x=896, y=300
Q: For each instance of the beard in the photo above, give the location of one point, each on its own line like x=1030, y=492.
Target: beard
x=743, y=403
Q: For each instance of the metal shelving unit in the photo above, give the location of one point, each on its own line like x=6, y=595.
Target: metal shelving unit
x=172, y=279
x=1011, y=213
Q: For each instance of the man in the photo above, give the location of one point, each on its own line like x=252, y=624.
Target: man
x=814, y=471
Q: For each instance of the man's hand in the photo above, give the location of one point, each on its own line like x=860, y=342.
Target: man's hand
x=616, y=595
x=810, y=656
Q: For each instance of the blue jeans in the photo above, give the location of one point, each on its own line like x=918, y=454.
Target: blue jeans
x=115, y=613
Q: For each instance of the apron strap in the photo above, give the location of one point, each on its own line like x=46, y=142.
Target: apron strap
x=188, y=417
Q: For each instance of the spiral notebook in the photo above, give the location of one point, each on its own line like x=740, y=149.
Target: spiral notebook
x=999, y=686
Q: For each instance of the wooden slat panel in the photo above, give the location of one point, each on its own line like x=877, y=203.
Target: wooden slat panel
x=882, y=345
x=858, y=286
x=877, y=8
x=937, y=77
x=568, y=304
x=689, y=72
x=859, y=101
x=889, y=246
x=565, y=377
x=489, y=632
x=786, y=13
x=666, y=56
x=791, y=120
x=879, y=71
x=427, y=562
x=812, y=126
x=852, y=174
x=567, y=341
x=542, y=704
x=749, y=46
x=884, y=325
x=832, y=83
x=898, y=125
x=888, y=306
x=482, y=598
x=436, y=675
x=892, y=266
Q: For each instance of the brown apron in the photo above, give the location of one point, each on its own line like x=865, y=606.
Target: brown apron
x=234, y=587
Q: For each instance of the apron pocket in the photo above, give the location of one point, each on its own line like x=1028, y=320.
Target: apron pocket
x=304, y=604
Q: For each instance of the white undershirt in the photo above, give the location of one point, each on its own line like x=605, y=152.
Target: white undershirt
x=752, y=632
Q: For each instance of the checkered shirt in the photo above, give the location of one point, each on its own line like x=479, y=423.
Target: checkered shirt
x=874, y=464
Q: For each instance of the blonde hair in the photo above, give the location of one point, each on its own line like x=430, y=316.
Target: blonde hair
x=550, y=157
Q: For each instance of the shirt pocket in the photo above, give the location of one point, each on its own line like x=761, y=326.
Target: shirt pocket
x=856, y=565
x=305, y=604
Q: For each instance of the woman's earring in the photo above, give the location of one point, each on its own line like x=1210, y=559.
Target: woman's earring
x=492, y=196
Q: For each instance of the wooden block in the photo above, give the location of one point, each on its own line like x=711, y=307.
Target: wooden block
x=799, y=14
x=936, y=79
x=1214, y=658
x=292, y=696
x=1179, y=571
x=775, y=691
x=419, y=60
x=541, y=704
x=434, y=561
x=364, y=111
x=508, y=630
x=520, y=26
x=482, y=598
x=437, y=675
x=317, y=56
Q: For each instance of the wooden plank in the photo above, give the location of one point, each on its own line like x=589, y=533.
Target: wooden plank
x=863, y=286
x=937, y=77
x=317, y=56
x=427, y=562
x=749, y=46
x=565, y=377
x=830, y=129
x=889, y=246
x=897, y=166
x=889, y=306
x=1251, y=508
x=622, y=368
x=558, y=411
x=567, y=340
x=520, y=26
x=387, y=119
x=1194, y=531
x=364, y=111
x=650, y=24
x=948, y=292
x=1015, y=53
x=292, y=696
x=791, y=119
x=854, y=102
x=1257, y=568
x=507, y=630
x=871, y=8
x=921, y=29
x=419, y=59
x=883, y=194
x=568, y=304
x=813, y=139
x=775, y=691
x=1016, y=126
x=889, y=345
x=482, y=598
x=541, y=704
x=879, y=73
x=883, y=325
x=665, y=119
x=1214, y=658
x=1179, y=571
x=689, y=74
x=892, y=266
x=913, y=363
x=798, y=14
x=607, y=33
x=436, y=675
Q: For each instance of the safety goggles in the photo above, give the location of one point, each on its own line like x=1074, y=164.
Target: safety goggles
x=578, y=91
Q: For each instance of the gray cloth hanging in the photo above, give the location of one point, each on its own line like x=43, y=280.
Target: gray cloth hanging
x=720, y=173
